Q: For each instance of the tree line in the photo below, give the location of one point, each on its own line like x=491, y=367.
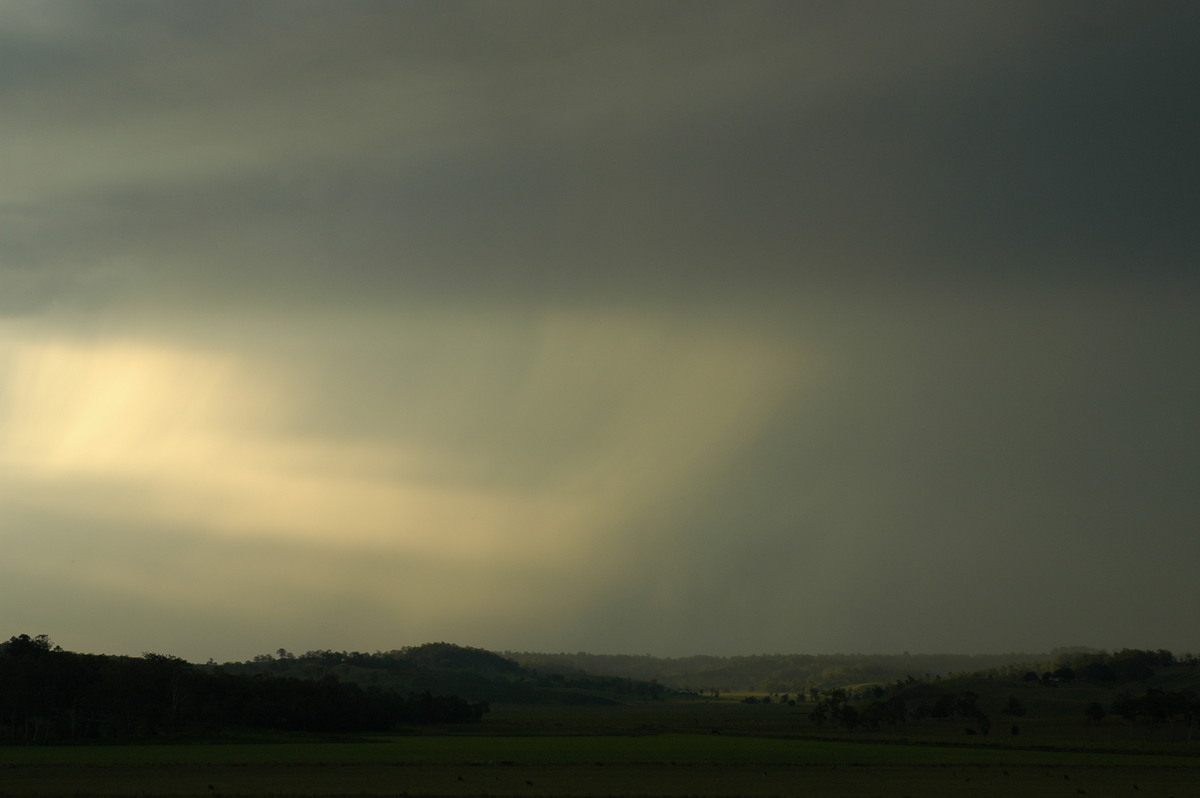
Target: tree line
x=51, y=695
x=1125, y=665
x=1155, y=706
x=834, y=706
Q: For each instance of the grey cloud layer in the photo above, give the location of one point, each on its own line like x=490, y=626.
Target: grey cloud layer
x=600, y=149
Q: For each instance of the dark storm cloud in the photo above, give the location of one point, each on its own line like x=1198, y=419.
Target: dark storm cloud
x=586, y=152
x=594, y=150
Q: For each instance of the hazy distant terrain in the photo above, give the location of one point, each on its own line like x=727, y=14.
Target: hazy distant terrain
x=772, y=672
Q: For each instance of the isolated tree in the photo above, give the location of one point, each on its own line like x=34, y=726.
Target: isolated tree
x=1126, y=706
x=1095, y=713
x=848, y=717
x=1101, y=672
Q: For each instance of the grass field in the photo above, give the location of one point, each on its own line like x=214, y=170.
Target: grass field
x=597, y=780
x=666, y=765
x=639, y=750
x=667, y=749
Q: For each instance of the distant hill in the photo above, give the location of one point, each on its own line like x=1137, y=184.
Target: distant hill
x=473, y=673
x=774, y=672
x=51, y=695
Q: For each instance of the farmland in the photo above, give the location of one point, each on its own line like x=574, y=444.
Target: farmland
x=517, y=757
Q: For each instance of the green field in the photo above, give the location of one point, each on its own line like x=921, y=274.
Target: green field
x=598, y=780
x=669, y=749
x=672, y=748
x=666, y=764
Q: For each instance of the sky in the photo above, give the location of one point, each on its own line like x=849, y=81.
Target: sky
x=624, y=327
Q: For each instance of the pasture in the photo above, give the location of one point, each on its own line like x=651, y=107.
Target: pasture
x=892, y=781
x=664, y=765
x=683, y=748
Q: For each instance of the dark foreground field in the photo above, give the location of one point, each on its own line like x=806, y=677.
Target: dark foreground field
x=651, y=765
x=653, y=749
x=601, y=780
